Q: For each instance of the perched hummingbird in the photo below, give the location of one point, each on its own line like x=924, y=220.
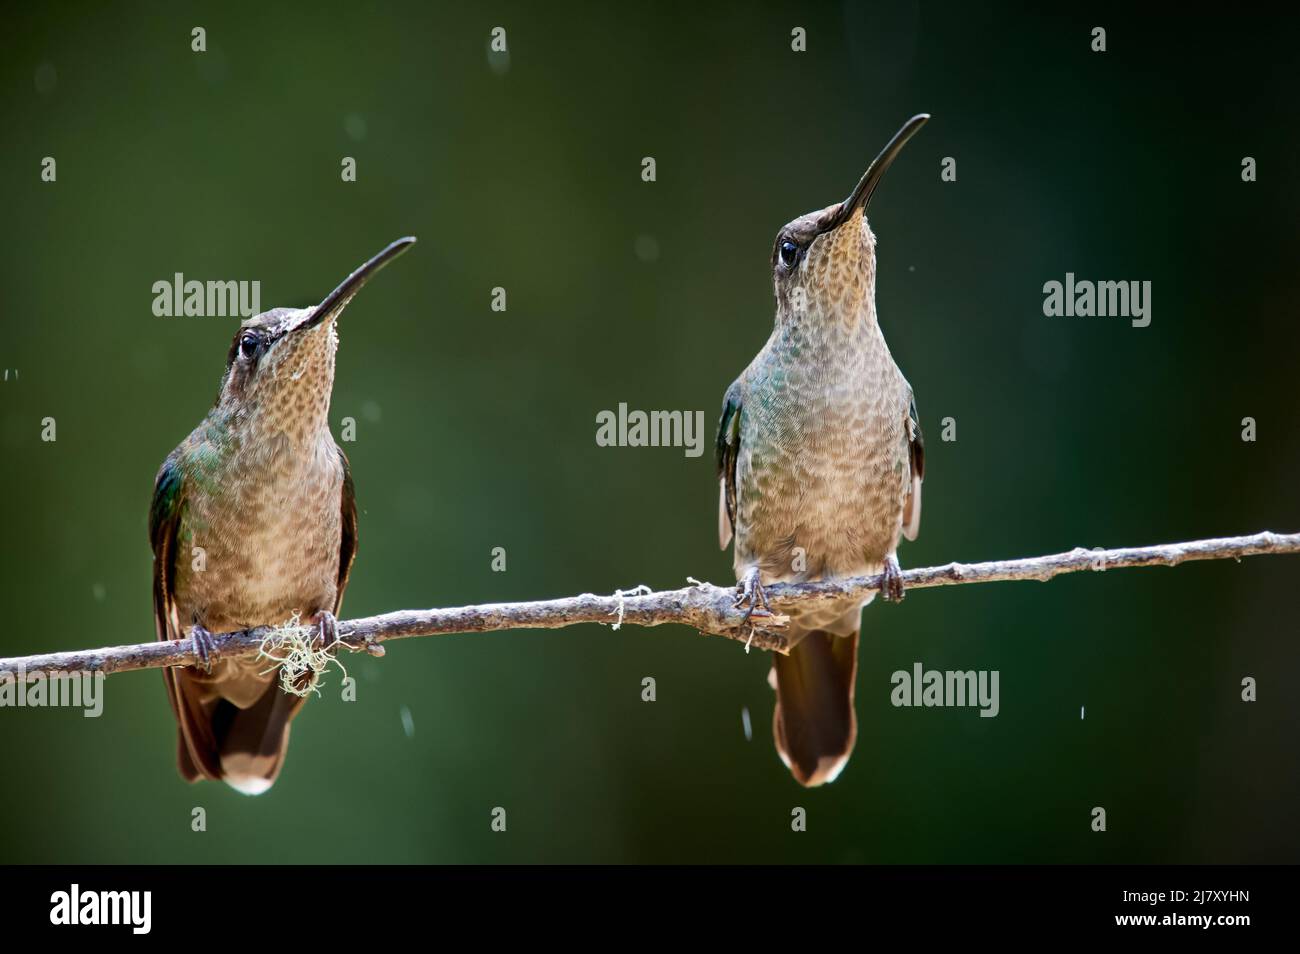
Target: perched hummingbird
x=254, y=521
x=820, y=460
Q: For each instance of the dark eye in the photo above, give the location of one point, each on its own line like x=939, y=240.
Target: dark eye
x=248, y=346
x=789, y=255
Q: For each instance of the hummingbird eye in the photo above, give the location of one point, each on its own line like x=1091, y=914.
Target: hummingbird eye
x=789, y=255
x=248, y=345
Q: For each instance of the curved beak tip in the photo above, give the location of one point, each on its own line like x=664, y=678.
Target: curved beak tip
x=860, y=197
x=337, y=300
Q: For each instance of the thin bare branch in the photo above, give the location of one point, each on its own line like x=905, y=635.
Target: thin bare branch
x=701, y=606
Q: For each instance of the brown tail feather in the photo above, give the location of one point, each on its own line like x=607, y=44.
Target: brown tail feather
x=814, y=724
x=219, y=741
x=254, y=740
x=196, y=755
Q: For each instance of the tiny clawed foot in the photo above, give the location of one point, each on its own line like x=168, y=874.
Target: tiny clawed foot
x=891, y=587
x=205, y=645
x=750, y=593
x=329, y=630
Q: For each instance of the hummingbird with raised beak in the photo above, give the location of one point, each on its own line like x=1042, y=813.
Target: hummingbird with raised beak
x=254, y=523
x=820, y=462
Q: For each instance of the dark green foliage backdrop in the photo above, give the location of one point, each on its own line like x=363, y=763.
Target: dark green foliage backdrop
x=476, y=429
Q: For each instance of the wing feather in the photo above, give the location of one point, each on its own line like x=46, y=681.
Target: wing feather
x=728, y=449
x=197, y=748
x=348, y=543
x=916, y=457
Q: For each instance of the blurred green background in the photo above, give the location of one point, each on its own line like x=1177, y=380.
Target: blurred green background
x=476, y=428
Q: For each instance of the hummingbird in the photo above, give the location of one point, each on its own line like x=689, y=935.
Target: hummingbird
x=820, y=462
x=254, y=522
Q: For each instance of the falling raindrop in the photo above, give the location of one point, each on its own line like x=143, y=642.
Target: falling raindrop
x=354, y=124
x=647, y=248
x=47, y=78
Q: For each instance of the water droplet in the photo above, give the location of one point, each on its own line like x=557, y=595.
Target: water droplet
x=647, y=248
x=498, y=60
x=47, y=79
x=354, y=124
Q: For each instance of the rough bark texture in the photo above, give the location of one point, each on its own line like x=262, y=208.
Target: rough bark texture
x=702, y=606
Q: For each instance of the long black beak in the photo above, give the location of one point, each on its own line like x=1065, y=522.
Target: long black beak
x=860, y=197
x=338, y=299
